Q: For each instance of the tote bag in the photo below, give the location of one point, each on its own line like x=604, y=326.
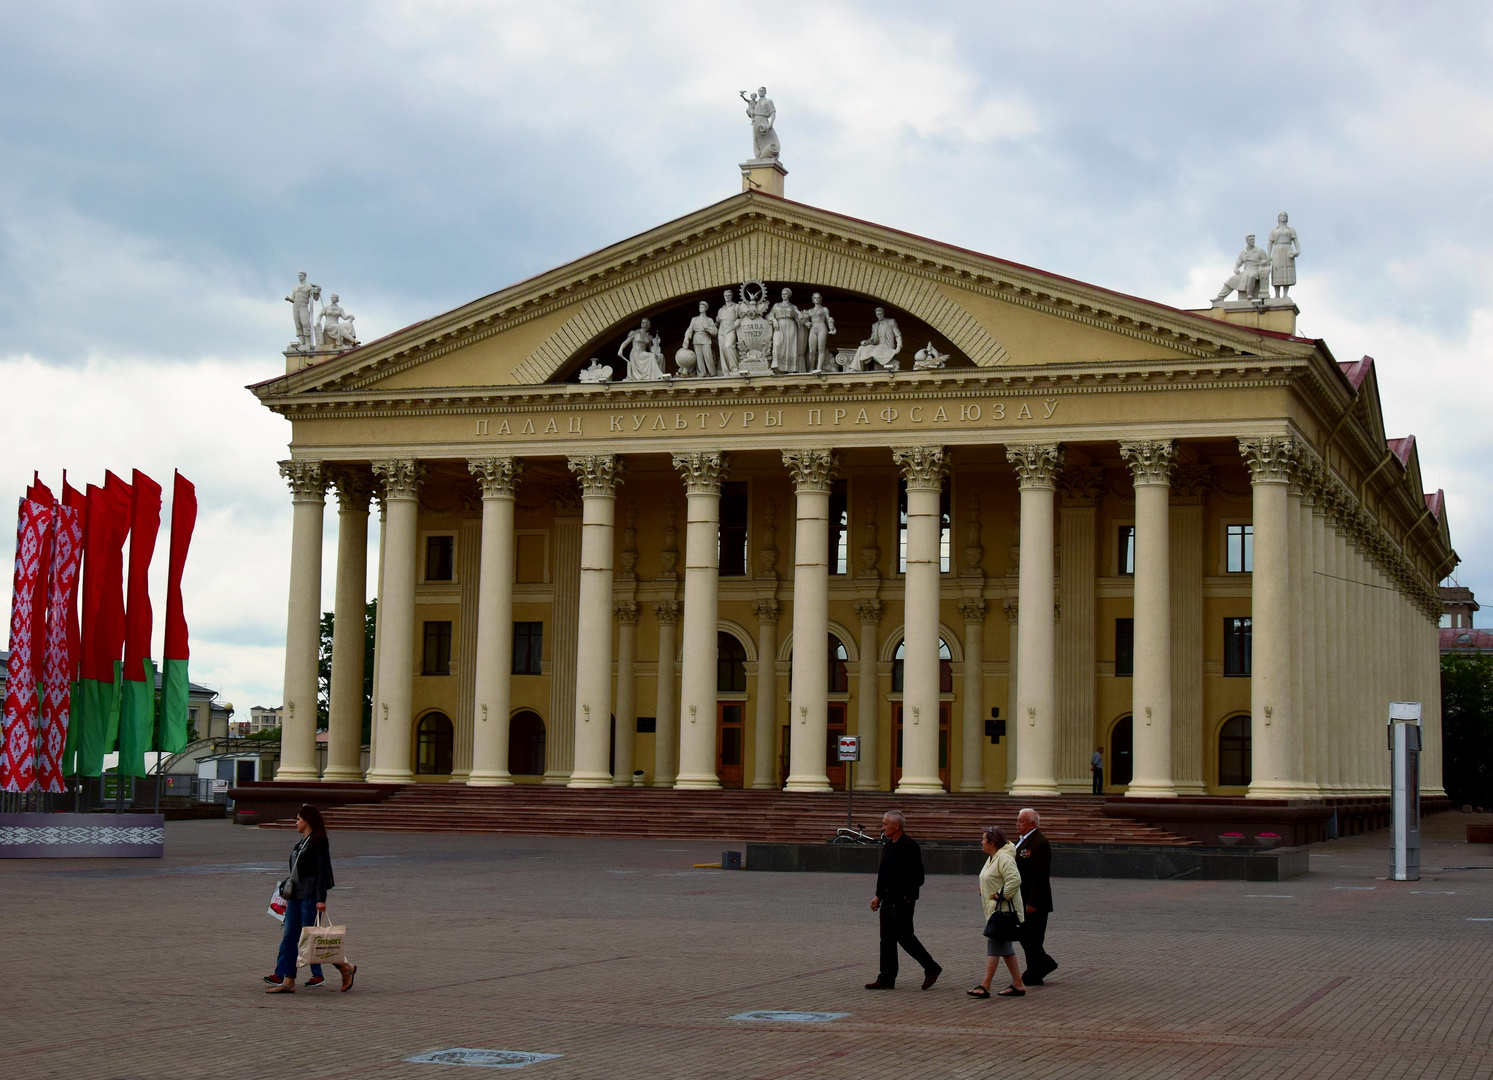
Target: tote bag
x=322, y=943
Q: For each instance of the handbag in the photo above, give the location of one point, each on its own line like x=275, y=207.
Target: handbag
x=287, y=885
x=1003, y=925
x=322, y=943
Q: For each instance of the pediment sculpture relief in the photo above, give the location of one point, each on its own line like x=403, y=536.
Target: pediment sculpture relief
x=331, y=329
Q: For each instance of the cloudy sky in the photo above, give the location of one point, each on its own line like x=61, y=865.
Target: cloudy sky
x=166, y=168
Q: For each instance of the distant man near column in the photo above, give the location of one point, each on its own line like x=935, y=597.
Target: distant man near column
x=1034, y=863
x=897, y=885
x=1096, y=766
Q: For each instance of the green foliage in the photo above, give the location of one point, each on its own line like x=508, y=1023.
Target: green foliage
x=324, y=669
x=267, y=735
x=1467, y=728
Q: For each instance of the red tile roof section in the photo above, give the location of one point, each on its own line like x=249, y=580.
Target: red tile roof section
x=1357, y=370
x=1477, y=640
x=1436, y=502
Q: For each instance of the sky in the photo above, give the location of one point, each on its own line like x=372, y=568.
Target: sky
x=166, y=168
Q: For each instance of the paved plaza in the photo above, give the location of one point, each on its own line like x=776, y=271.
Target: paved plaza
x=625, y=960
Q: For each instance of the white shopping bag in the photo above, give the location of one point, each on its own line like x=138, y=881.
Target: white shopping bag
x=277, y=905
x=322, y=943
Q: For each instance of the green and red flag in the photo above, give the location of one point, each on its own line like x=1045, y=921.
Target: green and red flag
x=103, y=627
x=137, y=711
x=174, y=683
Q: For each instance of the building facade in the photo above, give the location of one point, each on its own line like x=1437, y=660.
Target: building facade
x=1181, y=537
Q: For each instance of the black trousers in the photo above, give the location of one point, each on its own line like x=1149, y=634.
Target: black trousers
x=1099, y=781
x=1033, y=934
x=896, y=929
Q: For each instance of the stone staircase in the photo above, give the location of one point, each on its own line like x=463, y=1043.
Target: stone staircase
x=786, y=817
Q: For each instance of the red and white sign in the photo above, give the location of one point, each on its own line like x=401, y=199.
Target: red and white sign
x=850, y=748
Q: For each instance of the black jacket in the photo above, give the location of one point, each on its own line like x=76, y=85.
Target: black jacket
x=1034, y=863
x=311, y=869
x=901, y=873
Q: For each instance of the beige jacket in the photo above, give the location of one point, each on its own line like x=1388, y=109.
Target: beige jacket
x=1000, y=874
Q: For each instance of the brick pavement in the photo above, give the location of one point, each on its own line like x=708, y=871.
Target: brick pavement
x=618, y=955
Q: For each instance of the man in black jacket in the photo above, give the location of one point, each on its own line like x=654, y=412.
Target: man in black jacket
x=1034, y=862
x=897, y=885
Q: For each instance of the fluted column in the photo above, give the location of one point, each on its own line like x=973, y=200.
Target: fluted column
x=1151, y=464
x=349, y=628
x=1037, y=467
x=392, y=759
x=813, y=471
x=1079, y=488
x=1190, y=485
x=627, y=691
x=378, y=620
x=1012, y=609
x=973, y=773
x=493, y=685
x=308, y=493
x=924, y=468
x=867, y=696
x=598, y=475
x=703, y=471
x=666, y=703
x=1271, y=460
x=565, y=609
x=764, y=765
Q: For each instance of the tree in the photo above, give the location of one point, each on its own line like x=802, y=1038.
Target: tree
x=1467, y=728
x=324, y=669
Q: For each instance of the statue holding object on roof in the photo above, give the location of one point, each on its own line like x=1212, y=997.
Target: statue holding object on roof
x=300, y=307
x=762, y=113
x=645, y=360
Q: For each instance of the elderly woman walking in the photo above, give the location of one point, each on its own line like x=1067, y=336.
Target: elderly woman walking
x=1000, y=895
x=305, y=892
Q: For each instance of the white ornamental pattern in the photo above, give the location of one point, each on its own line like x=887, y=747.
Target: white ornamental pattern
x=111, y=835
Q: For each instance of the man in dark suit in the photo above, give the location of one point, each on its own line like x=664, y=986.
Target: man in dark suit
x=897, y=885
x=1034, y=862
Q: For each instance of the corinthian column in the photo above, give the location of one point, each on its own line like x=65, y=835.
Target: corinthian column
x=1036, y=714
x=666, y=703
x=764, y=772
x=349, y=628
x=813, y=471
x=492, y=688
x=627, y=691
x=973, y=610
x=924, y=468
x=703, y=471
x=391, y=757
x=308, y=493
x=598, y=476
x=1151, y=464
x=867, y=700
x=1272, y=461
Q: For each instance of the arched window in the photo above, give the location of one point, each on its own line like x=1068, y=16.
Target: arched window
x=1234, y=766
x=730, y=663
x=526, y=745
x=1121, y=758
x=433, y=743
x=839, y=679
x=945, y=668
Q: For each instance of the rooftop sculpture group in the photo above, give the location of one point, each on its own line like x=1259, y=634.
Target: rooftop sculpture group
x=331, y=329
x=1257, y=270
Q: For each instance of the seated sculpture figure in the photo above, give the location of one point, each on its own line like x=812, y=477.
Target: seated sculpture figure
x=337, y=327
x=1251, y=276
x=882, y=347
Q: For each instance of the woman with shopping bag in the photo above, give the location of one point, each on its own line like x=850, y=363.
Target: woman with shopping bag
x=305, y=893
x=1000, y=898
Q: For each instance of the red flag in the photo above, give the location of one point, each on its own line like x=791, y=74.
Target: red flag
x=41, y=494
x=144, y=524
x=54, y=670
x=95, y=541
x=109, y=630
x=75, y=499
x=18, y=728
x=183, y=521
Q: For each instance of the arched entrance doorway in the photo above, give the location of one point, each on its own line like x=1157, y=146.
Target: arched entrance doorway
x=434, y=739
x=1235, y=754
x=1121, y=758
x=526, y=744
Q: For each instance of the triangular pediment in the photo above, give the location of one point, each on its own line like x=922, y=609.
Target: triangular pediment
x=983, y=311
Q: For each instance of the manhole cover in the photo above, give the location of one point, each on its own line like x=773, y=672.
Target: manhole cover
x=491, y=1059
x=790, y=1017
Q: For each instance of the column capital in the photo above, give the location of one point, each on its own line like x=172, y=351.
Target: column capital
x=768, y=611
x=1310, y=475
x=923, y=467
x=498, y=477
x=1081, y=485
x=813, y=470
x=1271, y=459
x=869, y=611
x=307, y=480
x=354, y=488
x=1037, y=464
x=400, y=478
x=1010, y=606
x=668, y=611
x=598, y=474
x=1150, y=461
x=626, y=612
x=973, y=609
x=702, y=470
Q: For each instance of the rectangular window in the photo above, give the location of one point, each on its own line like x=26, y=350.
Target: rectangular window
x=944, y=519
x=1127, y=549
x=839, y=526
x=734, y=529
x=528, y=647
x=1125, y=647
x=437, y=659
x=1237, y=648
x=647, y=725
x=1241, y=549
x=1446, y=622
x=440, y=560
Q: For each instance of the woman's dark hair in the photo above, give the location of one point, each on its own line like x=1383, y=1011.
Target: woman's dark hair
x=993, y=833
x=312, y=816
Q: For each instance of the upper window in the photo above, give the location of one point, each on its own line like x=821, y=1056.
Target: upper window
x=1237, y=646
x=528, y=648
x=943, y=527
x=839, y=526
x=945, y=668
x=730, y=663
x=1240, y=544
x=437, y=658
x=839, y=678
x=440, y=558
x=1125, y=647
x=1126, y=549
x=734, y=529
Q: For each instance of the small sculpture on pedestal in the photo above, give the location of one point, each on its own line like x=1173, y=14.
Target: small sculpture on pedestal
x=300, y=306
x=1251, y=276
x=929, y=359
x=762, y=113
x=596, y=373
x=1285, y=249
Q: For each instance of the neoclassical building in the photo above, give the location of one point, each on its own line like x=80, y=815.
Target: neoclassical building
x=1179, y=536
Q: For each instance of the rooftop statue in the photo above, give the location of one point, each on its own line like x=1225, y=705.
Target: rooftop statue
x=596, y=373
x=337, y=326
x=300, y=306
x=1251, y=275
x=699, y=340
x=762, y=113
x=1285, y=249
x=788, y=324
x=881, y=347
x=821, y=325
x=726, y=320
x=645, y=363
x=929, y=359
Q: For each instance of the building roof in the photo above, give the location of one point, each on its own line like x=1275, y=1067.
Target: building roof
x=1465, y=639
